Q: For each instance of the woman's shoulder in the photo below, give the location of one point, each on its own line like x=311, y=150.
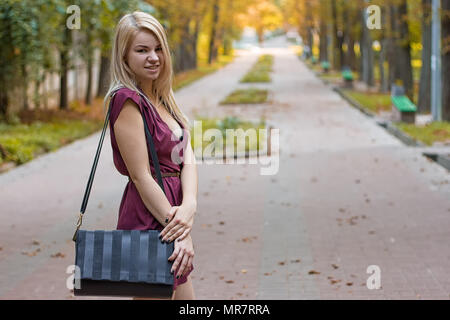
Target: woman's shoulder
x=125, y=93
x=118, y=99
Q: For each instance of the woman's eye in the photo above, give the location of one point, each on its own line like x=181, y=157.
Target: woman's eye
x=159, y=49
x=141, y=50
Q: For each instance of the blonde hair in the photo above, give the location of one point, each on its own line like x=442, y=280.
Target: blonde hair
x=121, y=74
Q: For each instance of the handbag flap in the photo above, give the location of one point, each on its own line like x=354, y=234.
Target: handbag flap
x=123, y=255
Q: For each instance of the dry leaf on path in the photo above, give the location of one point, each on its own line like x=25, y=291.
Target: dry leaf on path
x=313, y=272
x=58, y=255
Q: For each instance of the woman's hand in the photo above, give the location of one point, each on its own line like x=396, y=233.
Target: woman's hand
x=181, y=220
x=183, y=254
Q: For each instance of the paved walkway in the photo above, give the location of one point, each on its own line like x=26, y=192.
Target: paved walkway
x=347, y=195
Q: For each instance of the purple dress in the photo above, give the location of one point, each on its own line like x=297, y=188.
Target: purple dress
x=133, y=214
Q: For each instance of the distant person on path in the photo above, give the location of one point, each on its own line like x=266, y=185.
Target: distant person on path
x=141, y=63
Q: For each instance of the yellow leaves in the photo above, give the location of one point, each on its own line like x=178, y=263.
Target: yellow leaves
x=263, y=15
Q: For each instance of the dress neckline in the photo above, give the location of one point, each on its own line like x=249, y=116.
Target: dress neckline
x=161, y=119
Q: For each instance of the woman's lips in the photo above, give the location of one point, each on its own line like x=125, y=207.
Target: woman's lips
x=152, y=69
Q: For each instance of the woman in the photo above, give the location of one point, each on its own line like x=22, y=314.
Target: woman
x=141, y=63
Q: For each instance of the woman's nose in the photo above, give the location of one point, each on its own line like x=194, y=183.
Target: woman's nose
x=153, y=56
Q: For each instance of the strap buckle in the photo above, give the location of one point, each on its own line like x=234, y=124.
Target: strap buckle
x=79, y=222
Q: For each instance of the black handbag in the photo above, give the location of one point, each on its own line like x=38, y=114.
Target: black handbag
x=122, y=262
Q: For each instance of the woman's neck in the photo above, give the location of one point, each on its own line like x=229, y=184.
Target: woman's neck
x=146, y=89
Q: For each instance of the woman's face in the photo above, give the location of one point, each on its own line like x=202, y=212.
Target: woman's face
x=145, y=56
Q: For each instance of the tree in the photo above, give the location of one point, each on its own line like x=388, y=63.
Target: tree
x=425, y=75
x=402, y=69
x=446, y=60
x=263, y=16
x=367, y=56
x=323, y=31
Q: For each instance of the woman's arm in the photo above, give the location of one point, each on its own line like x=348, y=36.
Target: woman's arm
x=189, y=176
x=130, y=137
x=181, y=218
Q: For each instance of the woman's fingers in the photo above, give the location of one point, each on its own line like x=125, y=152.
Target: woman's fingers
x=177, y=261
x=184, y=234
x=174, y=254
x=183, y=265
x=172, y=212
x=167, y=228
x=172, y=232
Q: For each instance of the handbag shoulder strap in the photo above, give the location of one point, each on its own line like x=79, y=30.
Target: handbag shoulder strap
x=153, y=154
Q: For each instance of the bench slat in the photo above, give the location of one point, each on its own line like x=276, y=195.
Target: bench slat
x=403, y=104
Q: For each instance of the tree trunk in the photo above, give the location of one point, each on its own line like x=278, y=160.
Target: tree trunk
x=423, y=106
x=336, y=56
x=403, y=69
x=186, y=53
x=103, y=76
x=323, y=47
x=367, y=58
x=64, y=57
x=350, y=56
x=90, y=58
x=212, y=40
x=391, y=44
x=384, y=43
x=25, y=105
x=446, y=60
x=88, y=97
x=3, y=101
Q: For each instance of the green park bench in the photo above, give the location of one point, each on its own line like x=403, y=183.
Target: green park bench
x=347, y=75
x=325, y=66
x=403, y=109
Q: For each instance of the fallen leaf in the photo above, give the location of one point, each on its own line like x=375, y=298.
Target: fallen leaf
x=313, y=272
x=229, y=281
x=222, y=223
x=35, y=243
x=334, y=266
x=58, y=255
x=349, y=283
x=221, y=277
x=335, y=281
x=267, y=274
x=281, y=263
x=243, y=271
x=295, y=261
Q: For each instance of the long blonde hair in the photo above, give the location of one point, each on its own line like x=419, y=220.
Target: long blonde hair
x=122, y=76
